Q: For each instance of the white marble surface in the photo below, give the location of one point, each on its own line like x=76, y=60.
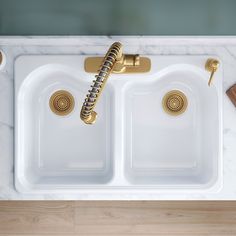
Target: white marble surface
x=223, y=47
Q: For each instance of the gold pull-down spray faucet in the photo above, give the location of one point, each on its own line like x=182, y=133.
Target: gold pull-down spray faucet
x=114, y=61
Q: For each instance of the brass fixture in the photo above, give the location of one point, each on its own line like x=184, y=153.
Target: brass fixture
x=211, y=66
x=114, y=61
x=125, y=63
x=174, y=102
x=61, y=102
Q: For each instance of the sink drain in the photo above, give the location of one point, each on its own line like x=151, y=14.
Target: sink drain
x=61, y=102
x=174, y=102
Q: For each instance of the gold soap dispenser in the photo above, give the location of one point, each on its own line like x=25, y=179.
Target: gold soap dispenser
x=211, y=65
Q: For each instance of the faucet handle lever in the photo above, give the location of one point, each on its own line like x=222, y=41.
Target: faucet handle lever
x=211, y=66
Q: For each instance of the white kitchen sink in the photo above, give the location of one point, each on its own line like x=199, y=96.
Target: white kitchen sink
x=135, y=145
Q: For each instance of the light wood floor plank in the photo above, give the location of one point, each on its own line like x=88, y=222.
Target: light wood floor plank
x=152, y=217
x=156, y=234
x=36, y=217
x=117, y=218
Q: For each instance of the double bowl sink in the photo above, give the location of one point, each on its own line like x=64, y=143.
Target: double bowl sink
x=136, y=143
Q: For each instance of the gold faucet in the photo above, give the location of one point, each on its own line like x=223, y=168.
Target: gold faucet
x=211, y=66
x=113, y=62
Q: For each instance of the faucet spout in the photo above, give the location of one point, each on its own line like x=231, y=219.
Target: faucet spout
x=87, y=114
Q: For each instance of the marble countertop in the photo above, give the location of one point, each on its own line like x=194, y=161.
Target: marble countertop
x=223, y=47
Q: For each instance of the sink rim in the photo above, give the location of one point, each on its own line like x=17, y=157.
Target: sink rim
x=112, y=83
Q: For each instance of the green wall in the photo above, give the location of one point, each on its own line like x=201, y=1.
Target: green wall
x=117, y=17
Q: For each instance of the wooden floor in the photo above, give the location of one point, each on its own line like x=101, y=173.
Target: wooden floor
x=67, y=218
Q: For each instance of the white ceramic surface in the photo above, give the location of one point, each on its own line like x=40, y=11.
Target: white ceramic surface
x=174, y=151
x=157, y=151
x=63, y=150
x=222, y=47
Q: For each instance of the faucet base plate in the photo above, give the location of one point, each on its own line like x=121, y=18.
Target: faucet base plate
x=92, y=65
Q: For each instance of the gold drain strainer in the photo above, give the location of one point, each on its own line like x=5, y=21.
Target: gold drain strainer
x=61, y=102
x=174, y=102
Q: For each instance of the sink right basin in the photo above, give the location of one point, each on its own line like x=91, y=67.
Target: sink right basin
x=173, y=126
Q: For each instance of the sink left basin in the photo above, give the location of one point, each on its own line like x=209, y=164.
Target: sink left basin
x=58, y=150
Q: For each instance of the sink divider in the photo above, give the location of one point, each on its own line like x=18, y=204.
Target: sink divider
x=118, y=135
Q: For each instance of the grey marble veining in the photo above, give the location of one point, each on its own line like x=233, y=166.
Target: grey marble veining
x=223, y=47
